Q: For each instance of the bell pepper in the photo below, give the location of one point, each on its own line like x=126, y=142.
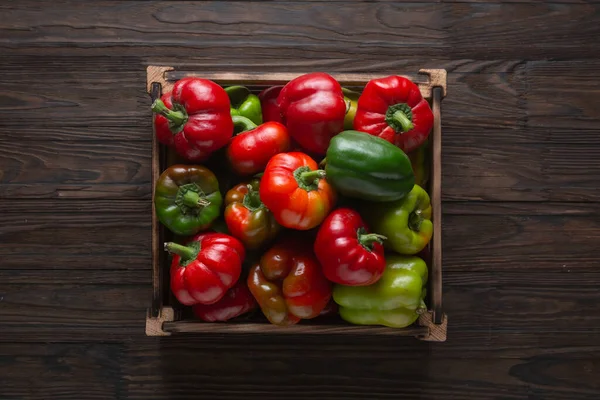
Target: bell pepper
x=351, y=99
x=244, y=103
x=348, y=253
x=295, y=191
x=194, y=118
x=406, y=223
x=288, y=283
x=205, y=268
x=247, y=217
x=363, y=166
x=394, y=109
x=268, y=102
x=395, y=300
x=187, y=199
x=313, y=109
x=419, y=159
x=250, y=151
x=237, y=301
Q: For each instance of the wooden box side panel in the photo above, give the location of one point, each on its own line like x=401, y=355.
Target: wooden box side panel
x=163, y=320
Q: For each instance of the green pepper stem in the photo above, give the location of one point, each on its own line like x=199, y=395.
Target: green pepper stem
x=401, y=118
x=368, y=239
x=194, y=200
x=310, y=177
x=252, y=200
x=242, y=123
x=176, y=118
x=414, y=220
x=184, y=252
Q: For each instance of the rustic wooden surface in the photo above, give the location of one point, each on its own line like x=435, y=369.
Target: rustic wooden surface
x=521, y=180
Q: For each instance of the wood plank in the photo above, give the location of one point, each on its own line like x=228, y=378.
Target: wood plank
x=476, y=237
x=532, y=31
x=520, y=243
x=61, y=371
x=76, y=240
x=507, y=172
x=486, y=302
x=121, y=170
x=97, y=102
x=86, y=312
x=58, y=168
x=168, y=371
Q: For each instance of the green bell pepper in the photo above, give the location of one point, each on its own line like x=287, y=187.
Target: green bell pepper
x=364, y=166
x=405, y=223
x=244, y=103
x=351, y=99
x=187, y=199
x=395, y=300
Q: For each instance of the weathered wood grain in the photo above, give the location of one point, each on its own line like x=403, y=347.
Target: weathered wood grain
x=533, y=31
x=521, y=243
x=78, y=240
x=476, y=237
x=80, y=311
x=513, y=301
x=72, y=169
x=352, y=374
x=62, y=371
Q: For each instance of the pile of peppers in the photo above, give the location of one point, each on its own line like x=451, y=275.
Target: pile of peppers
x=302, y=201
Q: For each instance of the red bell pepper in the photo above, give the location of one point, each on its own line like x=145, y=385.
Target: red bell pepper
x=268, y=103
x=246, y=216
x=348, y=253
x=296, y=191
x=205, y=268
x=250, y=151
x=313, y=109
x=194, y=118
x=288, y=283
x=394, y=109
x=237, y=301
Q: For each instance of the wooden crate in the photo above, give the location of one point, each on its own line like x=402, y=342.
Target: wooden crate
x=166, y=316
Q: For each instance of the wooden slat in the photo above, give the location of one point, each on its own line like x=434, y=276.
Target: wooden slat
x=82, y=240
x=521, y=243
x=62, y=371
x=533, y=31
x=390, y=374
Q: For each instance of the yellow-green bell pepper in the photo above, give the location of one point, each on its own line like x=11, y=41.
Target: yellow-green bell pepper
x=395, y=300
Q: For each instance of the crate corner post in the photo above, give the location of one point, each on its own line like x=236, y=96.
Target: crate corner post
x=154, y=325
x=435, y=332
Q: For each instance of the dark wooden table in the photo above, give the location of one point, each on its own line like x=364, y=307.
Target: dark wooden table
x=521, y=178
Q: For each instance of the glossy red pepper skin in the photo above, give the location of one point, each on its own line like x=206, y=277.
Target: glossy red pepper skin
x=204, y=269
x=348, y=253
x=250, y=151
x=394, y=109
x=288, y=283
x=296, y=191
x=194, y=118
x=237, y=301
x=268, y=103
x=313, y=109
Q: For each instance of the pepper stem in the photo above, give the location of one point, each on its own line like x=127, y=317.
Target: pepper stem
x=252, y=199
x=367, y=240
x=185, y=252
x=414, y=220
x=399, y=116
x=310, y=177
x=403, y=120
x=243, y=123
x=176, y=118
x=194, y=200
